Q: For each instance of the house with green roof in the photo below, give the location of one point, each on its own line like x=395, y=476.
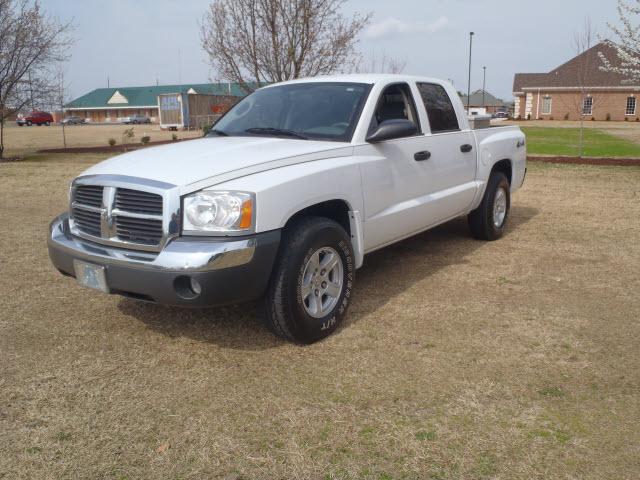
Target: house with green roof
x=112, y=105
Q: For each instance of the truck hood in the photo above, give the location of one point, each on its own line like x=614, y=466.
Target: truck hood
x=204, y=162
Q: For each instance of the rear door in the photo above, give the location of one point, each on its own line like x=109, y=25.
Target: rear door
x=453, y=162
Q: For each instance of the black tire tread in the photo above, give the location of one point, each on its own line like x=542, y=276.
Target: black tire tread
x=277, y=312
x=480, y=220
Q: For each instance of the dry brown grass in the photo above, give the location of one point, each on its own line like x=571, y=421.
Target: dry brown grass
x=26, y=140
x=516, y=359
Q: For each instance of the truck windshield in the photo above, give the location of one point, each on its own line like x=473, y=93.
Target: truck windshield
x=314, y=110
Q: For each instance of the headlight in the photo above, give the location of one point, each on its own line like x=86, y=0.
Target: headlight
x=209, y=211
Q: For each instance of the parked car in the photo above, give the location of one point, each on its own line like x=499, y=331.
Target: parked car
x=286, y=195
x=501, y=115
x=135, y=119
x=35, y=118
x=74, y=121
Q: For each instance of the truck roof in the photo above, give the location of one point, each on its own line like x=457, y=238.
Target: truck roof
x=369, y=78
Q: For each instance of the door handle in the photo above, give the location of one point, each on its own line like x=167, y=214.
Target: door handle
x=421, y=156
x=466, y=148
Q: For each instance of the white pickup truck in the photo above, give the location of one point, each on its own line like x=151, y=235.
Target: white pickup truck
x=284, y=197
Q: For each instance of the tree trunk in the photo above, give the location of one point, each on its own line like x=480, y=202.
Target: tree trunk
x=581, y=142
x=1, y=137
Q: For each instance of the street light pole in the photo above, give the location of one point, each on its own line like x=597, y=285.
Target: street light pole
x=484, y=83
x=469, y=83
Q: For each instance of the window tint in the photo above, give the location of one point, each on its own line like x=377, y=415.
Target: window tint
x=395, y=103
x=442, y=116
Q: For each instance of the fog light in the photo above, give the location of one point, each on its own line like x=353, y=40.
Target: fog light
x=187, y=288
x=195, y=286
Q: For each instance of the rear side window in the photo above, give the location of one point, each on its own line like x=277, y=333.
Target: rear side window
x=442, y=116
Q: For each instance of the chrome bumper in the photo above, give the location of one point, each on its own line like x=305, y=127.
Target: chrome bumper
x=218, y=264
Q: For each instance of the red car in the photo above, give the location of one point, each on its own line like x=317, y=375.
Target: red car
x=35, y=118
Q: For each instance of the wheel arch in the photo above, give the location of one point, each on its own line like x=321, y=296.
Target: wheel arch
x=504, y=166
x=336, y=209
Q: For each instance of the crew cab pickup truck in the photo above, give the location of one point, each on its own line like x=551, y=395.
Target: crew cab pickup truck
x=284, y=197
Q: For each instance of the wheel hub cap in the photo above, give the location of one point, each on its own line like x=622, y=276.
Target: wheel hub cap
x=322, y=282
x=499, y=207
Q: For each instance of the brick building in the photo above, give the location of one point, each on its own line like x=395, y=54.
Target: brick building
x=577, y=88
x=111, y=105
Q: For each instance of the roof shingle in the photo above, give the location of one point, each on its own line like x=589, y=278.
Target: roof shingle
x=581, y=71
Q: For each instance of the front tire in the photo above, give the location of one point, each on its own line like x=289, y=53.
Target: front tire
x=310, y=288
x=487, y=222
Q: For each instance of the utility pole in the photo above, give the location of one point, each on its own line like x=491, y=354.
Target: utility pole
x=471, y=34
x=484, y=83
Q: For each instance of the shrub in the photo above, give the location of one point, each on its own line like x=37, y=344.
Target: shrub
x=566, y=116
x=205, y=128
x=112, y=142
x=637, y=119
x=593, y=119
x=551, y=118
x=528, y=116
x=608, y=117
x=626, y=119
x=174, y=137
x=145, y=139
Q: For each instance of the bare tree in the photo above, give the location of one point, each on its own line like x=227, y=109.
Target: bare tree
x=30, y=44
x=627, y=46
x=583, y=41
x=379, y=64
x=59, y=100
x=276, y=40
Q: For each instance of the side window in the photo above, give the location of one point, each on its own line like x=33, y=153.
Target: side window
x=440, y=111
x=396, y=102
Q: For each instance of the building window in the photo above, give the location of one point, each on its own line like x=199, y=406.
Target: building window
x=546, y=105
x=587, y=106
x=631, y=106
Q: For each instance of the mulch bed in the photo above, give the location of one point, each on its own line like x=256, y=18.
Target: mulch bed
x=109, y=149
x=587, y=160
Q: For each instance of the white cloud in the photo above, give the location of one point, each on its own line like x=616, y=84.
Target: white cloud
x=394, y=26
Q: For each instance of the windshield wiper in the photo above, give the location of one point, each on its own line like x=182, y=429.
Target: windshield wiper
x=276, y=131
x=220, y=133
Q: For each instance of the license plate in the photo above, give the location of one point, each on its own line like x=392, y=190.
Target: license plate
x=91, y=276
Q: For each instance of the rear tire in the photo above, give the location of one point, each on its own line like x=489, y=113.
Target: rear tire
x=487, y=222
x=29, y=124
x=310, y=287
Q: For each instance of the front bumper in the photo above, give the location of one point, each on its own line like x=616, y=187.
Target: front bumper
x=229, y=269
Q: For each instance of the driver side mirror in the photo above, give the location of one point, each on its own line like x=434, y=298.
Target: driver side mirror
x=391, y=129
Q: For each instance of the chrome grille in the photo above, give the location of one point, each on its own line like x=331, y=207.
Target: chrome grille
x=115, y=214
x=137, y=230
x=89, y=195
x=137, y=201
x=87, y=221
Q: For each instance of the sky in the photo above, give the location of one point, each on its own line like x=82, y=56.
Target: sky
x=141, y=42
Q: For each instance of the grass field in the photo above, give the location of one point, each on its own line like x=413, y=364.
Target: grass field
x=516, y=359
x=26, y=140
x=565, y=141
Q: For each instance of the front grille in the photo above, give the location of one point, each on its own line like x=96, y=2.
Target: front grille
x=137, y=230
x=89, y=195
x=86, y=221
x=132, y=216
x=138, y=202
